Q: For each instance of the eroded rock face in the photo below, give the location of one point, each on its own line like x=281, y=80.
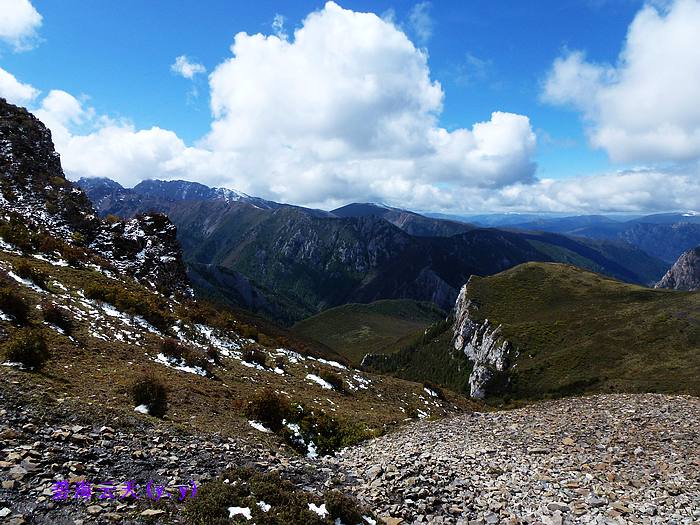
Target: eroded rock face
x=35, y=192
x=684, y=274
x=483, y=344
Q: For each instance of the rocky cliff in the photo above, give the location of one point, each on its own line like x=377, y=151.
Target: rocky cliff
x=36, y=196
x=684, y=274
x=484, y=346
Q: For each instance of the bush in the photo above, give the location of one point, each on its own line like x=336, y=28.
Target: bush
x=343, y=508
x=16, y=233
x=247, y=331
x=171, y=348
x=174, y=350
x=27, y=271
x=150, y=391
x=57, y=316
x=14, y=305
x=245, y=487
x=28, y=346
x=335, y=380
x=269, y=408
x=150, y=307
x=255, y=355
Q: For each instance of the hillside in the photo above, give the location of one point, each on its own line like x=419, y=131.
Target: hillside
x=354, y=330
x=103, y=342
x=541, y=330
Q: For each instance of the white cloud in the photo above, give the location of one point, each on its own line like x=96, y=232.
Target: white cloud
x=19, y=23
x=185, y=68
x=15, y=91
x=645, y=108
x=421, y=22
x=349, y=101
x=346, y=110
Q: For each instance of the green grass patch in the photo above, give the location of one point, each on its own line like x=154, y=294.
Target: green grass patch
x=354, y=330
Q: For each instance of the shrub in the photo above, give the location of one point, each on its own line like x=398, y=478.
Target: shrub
x=73, y=256
x=247, y=331
x=335, y=380
x=27, y=271
x=171, y=348
x=57, y=316
x=343, y=508
x=150, y=391
x=14, y=304
x=112, y=219
x=150, y=307
x=245, y=487
x=16, y=233
x=214, y=355
x=255, y=355
x=269, y=408
x=28, y=347
x=210, y=507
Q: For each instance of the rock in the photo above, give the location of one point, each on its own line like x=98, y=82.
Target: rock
x=9, y=485
x=482, y=343
x=94, y=509
x=374, y=472
x=392, y=521
x=18, y=473
x=568, y=442
x=152, y=512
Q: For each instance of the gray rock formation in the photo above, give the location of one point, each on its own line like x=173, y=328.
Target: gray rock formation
x=684, y=274
x=482, y=343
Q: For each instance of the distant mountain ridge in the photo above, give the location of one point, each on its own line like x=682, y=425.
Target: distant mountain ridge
x=291, y=262
x=663, y=235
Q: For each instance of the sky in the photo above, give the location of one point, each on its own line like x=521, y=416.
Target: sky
x=586, y=106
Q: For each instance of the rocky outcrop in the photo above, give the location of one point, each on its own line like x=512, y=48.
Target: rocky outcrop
x=35, y=192
x=684, y=274
x=483, y=344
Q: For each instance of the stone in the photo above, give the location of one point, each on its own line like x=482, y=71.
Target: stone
x=94, y=509
x=152, y=512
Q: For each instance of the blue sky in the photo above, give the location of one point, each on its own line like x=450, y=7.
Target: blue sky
x=115, y=58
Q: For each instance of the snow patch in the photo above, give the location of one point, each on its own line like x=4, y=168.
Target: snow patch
x=142, y=409
x=259, y=426
x=179, y=365
x=321, y=511
x=323, y=383
x=243, y=511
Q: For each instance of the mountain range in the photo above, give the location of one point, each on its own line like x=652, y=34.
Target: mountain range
x=664, y=235
x=289, y=262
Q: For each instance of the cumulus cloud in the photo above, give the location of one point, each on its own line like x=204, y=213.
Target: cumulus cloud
x=346, y=102
x=644, y=108
x=186, y=68
x=15, y=91
x=19, y=24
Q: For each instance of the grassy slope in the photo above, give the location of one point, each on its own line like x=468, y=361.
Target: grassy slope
x=111, y=366
x=579, y=331
x=354, y=330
